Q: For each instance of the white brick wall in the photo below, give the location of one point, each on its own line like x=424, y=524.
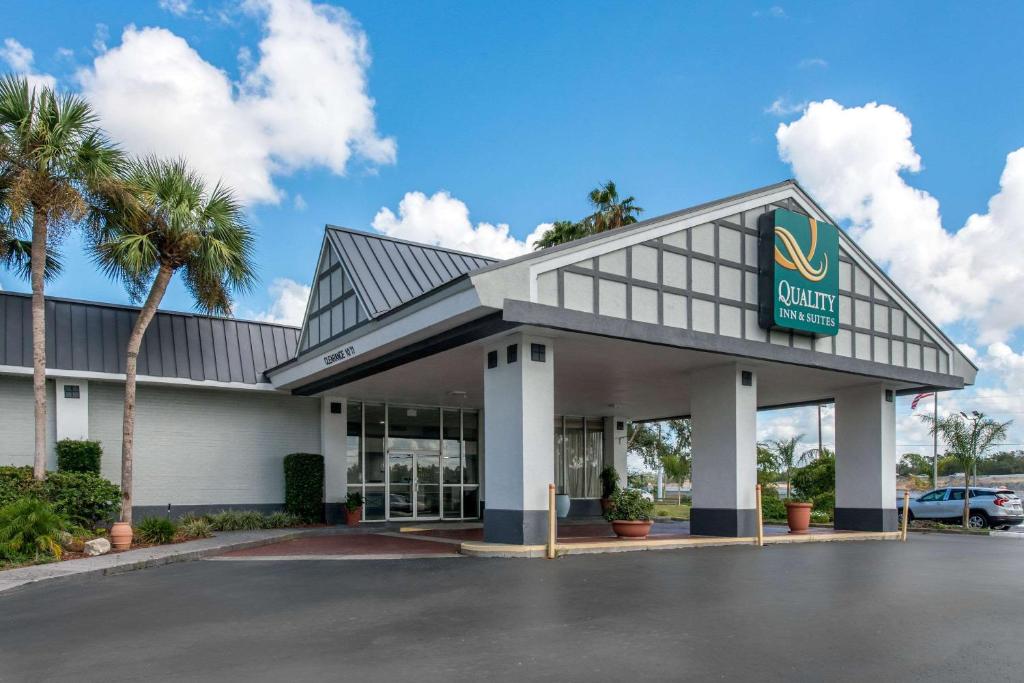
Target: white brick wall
x=16, y=420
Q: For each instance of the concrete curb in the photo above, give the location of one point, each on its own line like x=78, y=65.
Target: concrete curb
x=156, y=556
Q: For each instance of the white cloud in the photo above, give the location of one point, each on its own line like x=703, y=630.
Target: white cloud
x=21, y=60
x=299, y=203
x=781, y=106
x=289, y=302
x=813, y=63
x=302, y=101
x=176, y=7
x=444, y=220
x=853, y=160
x=773, y=12
x=786, y=423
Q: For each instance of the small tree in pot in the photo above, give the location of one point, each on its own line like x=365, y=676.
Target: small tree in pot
x=609, y=486
x=631, y=514
x=353, y=508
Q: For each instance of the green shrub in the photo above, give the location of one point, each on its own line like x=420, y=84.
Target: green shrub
x=820, y=517
x=304, y=485
x=30, y=529
x=281, y=520
x=196, y=527
x=225, y=520
x=85, y=498
x=156, y=530
x=75, y=455
x=825, y=502
x=629, y=505
x=609, y=482
x=353, y=501
x=251, y=520
x=816, y=478
x=17, y=483
x=772, y=506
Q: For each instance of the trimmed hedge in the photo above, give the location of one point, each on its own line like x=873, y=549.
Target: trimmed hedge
x=83, y=497
x=304, y=485
x=75, y=455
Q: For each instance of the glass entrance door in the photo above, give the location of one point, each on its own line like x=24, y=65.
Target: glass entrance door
x=414, y=485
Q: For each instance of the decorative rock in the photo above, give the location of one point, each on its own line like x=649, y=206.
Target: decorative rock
x=97, y=546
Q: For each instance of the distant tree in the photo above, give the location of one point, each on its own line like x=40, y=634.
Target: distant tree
x=609, y=212
x=817, y=476
x=914, y=464
x=787, y=458
x=768, y=468
x=968, y=438
x=53, y=157
x=677, y=470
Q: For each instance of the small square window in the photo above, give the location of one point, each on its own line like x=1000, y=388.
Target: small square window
x=620, y=425
x=72, y=391
x=889, y=395
x=747, y=378
x=335, y=408
x=512, y=353
x=492, y=359
x=538, y=352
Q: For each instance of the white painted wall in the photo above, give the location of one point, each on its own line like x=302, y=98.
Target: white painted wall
x=205, y=446
x=724, y=418
x=71, y=414
x=16, y=422
x=865, y=448
x=615, y=446
x=519, y=402
x=333, y=428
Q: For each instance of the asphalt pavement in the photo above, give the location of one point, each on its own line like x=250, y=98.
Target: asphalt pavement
x=936, y=608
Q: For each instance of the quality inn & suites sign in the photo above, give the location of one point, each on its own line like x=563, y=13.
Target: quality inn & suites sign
x=798, y=268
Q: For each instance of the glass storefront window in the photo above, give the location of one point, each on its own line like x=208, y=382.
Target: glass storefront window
x=471, y=501
x=354, y=442
x=414, y=429
x=373, y=420
x=579, y=456
x=373, y=508
x=471, y=447
x=452, y=502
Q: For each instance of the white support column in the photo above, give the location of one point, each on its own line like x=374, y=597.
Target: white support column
x=72, y=408
x=866, y=458
x=723, y=409
x=333, y=430
x=615, y=446
x=519, y=408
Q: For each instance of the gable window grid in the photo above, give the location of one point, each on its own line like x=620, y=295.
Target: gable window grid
x=322, y=309
x=873, y=298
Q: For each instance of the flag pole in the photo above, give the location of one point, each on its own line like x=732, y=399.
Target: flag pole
x=935, y=441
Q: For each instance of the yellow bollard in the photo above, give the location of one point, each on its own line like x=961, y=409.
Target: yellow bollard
x=552, y=522
x=906, y=515
x=760, y=518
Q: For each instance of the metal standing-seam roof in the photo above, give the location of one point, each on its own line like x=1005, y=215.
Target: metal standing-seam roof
x=89, y=336
x=388, y=272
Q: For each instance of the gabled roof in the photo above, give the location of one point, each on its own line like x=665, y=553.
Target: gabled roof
x=91, y=337
x=388, y=272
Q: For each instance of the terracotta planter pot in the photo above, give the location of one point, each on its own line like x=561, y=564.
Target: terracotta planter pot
x=798, y=516
x=121, y=536
x=353, y=517
x=631, y=529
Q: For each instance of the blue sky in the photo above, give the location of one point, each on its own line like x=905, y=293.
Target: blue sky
x=518, y=109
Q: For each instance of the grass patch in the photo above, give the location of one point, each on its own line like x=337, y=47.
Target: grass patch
x=663, y=510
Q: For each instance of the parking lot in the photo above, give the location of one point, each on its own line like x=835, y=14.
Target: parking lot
x=831, y=611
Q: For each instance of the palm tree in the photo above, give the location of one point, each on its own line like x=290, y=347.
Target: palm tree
x=785, y=455
x=677, y=468
x=167, y=221
x=968, y=438
x=609, y=211
x=53, y=158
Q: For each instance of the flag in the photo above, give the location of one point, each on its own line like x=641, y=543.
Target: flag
x=913, y=404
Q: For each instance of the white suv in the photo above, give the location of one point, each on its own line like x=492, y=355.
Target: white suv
x=996, y=508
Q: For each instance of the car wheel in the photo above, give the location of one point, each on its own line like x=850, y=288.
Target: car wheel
x=1005, y=527
x=977, y=520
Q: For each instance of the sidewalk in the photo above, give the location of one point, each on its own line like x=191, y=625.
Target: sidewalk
x=129, y=560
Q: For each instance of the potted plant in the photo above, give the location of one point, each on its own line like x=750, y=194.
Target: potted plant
x=353, y=508
x=630, y=513
x=609, y=486
x=798, y=515
x=562, y=504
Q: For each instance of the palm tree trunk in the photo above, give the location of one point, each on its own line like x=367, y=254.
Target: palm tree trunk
x=967, y=501
x=156, y=294
x=38, y=265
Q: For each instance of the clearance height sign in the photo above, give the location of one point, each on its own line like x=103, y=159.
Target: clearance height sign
x=799, y=273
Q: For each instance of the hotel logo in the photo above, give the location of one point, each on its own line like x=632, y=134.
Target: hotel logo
x=798, y=271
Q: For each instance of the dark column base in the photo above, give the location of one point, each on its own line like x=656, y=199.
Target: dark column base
x=723, y=522
x=585, y=507
x=519, y=527
x=334, y=513
x=866, y=519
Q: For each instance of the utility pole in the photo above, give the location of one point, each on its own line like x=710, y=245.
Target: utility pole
x=935, y=443
x=819, y=430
